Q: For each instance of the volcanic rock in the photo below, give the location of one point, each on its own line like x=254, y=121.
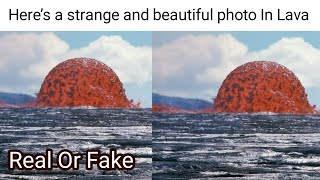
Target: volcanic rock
x=189, y=104
x=82, y=82
x=16, y=98
x=262, y=86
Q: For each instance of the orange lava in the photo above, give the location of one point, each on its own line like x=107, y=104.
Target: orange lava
x=82, y=82
x=4, y=105
x=262, y=86
x=160, y=108
x=164, y=108
x=29, y=105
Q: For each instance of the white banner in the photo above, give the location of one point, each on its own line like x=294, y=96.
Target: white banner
x=164, y=15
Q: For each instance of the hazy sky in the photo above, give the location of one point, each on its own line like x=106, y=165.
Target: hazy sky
x=27, y=57
x=194, y=64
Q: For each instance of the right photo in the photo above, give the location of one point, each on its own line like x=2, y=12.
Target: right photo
x=236, y=105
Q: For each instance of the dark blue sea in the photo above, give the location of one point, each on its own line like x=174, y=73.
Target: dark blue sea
x=33, y=130
x=236, y=146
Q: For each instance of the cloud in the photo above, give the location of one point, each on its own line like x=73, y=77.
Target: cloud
x=297, y=55
x=132, y=64
x=26, y=58
x=196, y=65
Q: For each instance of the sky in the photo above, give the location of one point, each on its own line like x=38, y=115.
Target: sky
x=27, y=57
x=194, y=64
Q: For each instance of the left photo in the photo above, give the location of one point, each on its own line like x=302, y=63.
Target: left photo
x=68, y=94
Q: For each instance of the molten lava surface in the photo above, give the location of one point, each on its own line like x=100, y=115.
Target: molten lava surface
x=262, y=86
x=82, y=82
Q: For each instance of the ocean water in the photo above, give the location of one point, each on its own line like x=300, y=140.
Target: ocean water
x=236, y=146
x=34, y=130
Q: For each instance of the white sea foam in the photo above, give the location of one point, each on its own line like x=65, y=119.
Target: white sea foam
x=270, y=153
x=90, y=145
x=84, y=107
x=137, y=151
x=301, y=161
x=217, y=173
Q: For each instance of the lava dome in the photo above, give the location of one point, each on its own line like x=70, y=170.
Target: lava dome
x=262, y=86
x=82, y=82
